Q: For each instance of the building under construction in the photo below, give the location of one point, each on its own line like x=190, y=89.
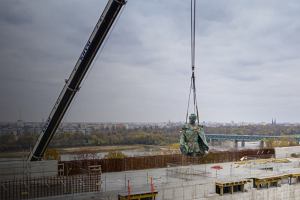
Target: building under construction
x=242, y=175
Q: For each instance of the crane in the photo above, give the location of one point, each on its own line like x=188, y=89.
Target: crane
x=72, y=84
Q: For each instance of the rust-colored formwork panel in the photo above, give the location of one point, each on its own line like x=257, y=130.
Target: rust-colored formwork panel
x=159, y=161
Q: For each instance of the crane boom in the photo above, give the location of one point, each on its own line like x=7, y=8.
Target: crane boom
x=72, y=85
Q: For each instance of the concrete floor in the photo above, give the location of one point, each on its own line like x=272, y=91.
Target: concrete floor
x=196, y=182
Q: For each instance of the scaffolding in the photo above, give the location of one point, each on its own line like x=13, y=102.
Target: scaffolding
x=23, y=182
x=29, y=188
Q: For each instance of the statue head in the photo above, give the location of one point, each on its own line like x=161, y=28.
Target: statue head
x=192, y=118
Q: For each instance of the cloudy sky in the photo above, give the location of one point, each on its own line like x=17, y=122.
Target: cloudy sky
x=247, y=60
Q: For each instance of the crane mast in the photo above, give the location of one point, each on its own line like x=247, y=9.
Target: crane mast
x=72, y=84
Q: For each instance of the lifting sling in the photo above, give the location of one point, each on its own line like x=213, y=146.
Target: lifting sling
x=192, y=139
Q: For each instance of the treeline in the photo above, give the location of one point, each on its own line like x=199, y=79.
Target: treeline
x=11, y=142
x=114, y=138
x=144, y=135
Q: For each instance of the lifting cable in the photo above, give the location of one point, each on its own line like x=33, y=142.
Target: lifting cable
x=193, y=86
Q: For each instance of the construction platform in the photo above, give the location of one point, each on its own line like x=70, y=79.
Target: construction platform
x=268, y=181
x=231, y=186
x=141, y=195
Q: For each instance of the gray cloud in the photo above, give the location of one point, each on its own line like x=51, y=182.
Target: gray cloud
x=247, y=60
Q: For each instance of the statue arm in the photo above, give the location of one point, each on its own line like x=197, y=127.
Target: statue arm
x=183, y=144
x=182, y=139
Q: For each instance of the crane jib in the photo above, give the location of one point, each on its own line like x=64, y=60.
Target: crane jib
x=85, y=50
x=72, y=85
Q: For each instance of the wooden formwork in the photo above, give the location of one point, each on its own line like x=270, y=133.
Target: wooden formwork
x=159, y=161
x=231, y=186
x=138, y=196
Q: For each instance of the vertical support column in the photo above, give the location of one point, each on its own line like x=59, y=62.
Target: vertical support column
x=221, y=190
x=213, y=142
x=243, y=143
x=231, y=189
x=236, y=144
x=243, y=188
x=261, y=144
x=257, y=184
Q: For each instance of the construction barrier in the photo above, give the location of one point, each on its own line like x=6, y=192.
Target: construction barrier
x=160, y=161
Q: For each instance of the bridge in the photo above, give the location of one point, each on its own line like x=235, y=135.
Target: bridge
x=246, y=138
x=220, y=137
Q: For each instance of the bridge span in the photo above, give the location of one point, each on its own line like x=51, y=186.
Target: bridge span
x=220, y=137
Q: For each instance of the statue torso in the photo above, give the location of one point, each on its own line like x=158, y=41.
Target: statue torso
x=193, y=140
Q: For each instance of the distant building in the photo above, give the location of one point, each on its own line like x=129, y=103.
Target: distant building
x=274, y=121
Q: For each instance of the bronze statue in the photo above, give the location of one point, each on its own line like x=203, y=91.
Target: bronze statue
x=192, y=139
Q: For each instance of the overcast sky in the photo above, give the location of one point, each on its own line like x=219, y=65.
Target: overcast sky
x=247, y=60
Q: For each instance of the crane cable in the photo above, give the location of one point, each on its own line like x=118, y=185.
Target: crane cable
x=193, y=41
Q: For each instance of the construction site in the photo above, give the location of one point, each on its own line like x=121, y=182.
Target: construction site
x=194, y=172
x=245, y=174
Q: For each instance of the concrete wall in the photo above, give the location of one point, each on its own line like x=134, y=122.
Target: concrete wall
x=19, y=169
